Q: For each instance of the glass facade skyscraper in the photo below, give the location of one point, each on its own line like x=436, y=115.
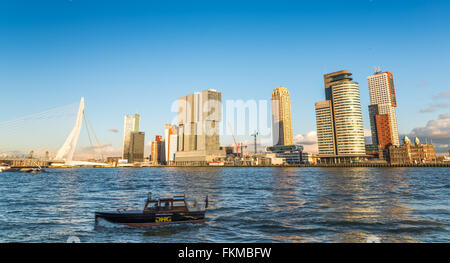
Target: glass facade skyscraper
x=340, y=131
x=130, y=126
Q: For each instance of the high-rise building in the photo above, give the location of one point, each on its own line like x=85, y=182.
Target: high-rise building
x=171, y=142
x=130, y=126
x=158, y=155
x=173, y=148
x=348, y=119
x=325, y=128
x=199, y=115
x=137, y=147
x=281, y=117
x=340, y=130
x=383, y=102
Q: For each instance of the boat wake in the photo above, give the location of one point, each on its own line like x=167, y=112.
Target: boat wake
x=102, y=223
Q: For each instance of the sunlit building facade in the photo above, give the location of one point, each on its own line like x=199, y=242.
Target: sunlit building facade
x=281, y=117
x=339, y=123
x=325, y=128
x=171, y=142
x=383, y=101
x=348, y=119
x=158, y=148
x=408, y=153
x=130, y=126
x=199, y=117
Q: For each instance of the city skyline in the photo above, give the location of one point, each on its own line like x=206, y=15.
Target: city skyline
x=70, y=61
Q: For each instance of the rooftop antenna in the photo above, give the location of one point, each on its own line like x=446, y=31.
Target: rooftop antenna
x=377, y=70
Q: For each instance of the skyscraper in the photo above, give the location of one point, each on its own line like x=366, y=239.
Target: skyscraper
x=340, y=130
x=130, y=126
x=199, y=115
x=158, y=155
x=383, y=119
x=137, y=147
x=171, y=142
x=281, y=117
x=325, y=127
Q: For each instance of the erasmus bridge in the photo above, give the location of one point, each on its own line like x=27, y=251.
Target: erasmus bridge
x=65, y=154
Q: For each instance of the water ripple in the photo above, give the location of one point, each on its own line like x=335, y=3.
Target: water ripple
x=245, y=204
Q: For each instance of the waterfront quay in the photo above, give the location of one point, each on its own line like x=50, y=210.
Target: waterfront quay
x=347, y=165
x=28, y=163
x=24, y=162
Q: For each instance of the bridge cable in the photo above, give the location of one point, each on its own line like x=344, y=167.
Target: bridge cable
x=93, y=132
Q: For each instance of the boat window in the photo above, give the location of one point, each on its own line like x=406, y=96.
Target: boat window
x=178, y=203
x=152, y=206
x=191, y=203
x=166, y=205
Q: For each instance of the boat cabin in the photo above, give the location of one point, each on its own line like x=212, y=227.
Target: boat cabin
x=176, y=204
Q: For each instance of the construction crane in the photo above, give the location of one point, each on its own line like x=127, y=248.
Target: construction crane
x=234, y=139
x=236, y=145
x=242, y=147
x=255, y=135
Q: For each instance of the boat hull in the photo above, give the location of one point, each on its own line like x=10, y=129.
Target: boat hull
x=139, y=219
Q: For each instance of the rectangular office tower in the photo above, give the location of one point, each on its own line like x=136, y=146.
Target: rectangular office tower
x=137, y=147
x=158, y=151
x=199, y=115
x=325, y=128
x=383, y=119
x=130, y=126
x=171, y=142
x=340, y=130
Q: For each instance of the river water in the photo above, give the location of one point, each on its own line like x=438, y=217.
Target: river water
x=309, y=204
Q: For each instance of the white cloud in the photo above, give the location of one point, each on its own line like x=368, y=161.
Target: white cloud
x=97, y=151
x=435, y=129
x=434, y=107
x=309, y=141
x=442, y=94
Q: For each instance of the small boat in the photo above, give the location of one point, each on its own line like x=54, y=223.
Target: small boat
x=156, y=212
x=36, y=169
x=4, y=168
x=25, y=169
x=216, y=163
x=31, y=170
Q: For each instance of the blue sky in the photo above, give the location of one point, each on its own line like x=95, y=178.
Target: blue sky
x=138, y=56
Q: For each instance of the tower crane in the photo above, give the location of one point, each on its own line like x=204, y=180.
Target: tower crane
x=255, y=135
